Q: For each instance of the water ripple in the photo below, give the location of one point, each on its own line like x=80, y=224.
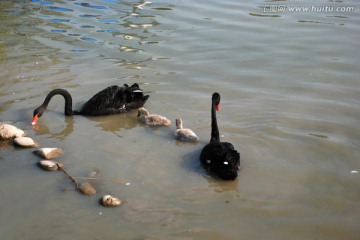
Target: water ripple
x=61, y=9
x=42, y=2
x=88, y=5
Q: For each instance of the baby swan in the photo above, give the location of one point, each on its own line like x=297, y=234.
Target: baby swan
x=153, y=119
x=184, y=134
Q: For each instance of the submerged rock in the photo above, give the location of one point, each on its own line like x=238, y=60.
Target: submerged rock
x=110, y=201
x=49, y=165
x=24, y=142
x=87, y=189
x=48, y=153
x=8, y=131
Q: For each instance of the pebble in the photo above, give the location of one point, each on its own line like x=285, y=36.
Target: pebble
x=87, y=189
x=110, y=201
x=94, y=173
x=48, y=165
x=48, y=153
x=8, y=131
x=24, y=142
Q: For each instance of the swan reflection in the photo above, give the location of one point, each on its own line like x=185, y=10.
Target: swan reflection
x=114, y=123
x=44, y=129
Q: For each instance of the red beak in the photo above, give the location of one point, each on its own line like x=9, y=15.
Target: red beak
x=35, y=119
x=217, y=107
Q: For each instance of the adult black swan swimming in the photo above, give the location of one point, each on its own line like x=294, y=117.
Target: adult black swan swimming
x=220, y=157
x=111, y=100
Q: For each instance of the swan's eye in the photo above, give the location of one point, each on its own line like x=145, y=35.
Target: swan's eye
x=226, y=163
x=208, y=161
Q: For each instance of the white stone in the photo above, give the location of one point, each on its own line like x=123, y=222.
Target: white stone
x=48, y=153
x=8, y=131
x=24, y=142
x=110, y=201
x=48, y=165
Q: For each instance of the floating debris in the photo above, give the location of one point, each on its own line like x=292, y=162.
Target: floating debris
x=318, y=135
x=8, y=131
x=110, y=201
x=86, y=188
x=49, y=165
x=24, y=142
x=354, y=171
x=48, y=153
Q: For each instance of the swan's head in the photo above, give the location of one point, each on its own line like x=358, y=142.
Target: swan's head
x=142, y=112
x=178, y=123
x=38, y=112
x=216, y=100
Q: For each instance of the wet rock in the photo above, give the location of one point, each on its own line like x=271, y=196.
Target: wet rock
x=110, y=201
x=48, y=165
x=87, y=189
x=48, y=153
x=94, y=173
x=24, y=142
x=8, y=131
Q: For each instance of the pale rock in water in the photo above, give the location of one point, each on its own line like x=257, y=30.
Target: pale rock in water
x=48, y=153
x=48, y=165
x=8, y=131
x=24, y=142
x=110, y=201
x=86, y=188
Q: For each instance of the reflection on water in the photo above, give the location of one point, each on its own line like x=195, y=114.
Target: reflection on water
x=290, y=96
x=115, y=123
x=61, y=134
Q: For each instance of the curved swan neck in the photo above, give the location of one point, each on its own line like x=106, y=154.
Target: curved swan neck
x=68, y=100
x=214, y=127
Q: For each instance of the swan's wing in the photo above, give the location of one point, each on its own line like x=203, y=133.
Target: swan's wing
x=100, y=101
x=115, y=99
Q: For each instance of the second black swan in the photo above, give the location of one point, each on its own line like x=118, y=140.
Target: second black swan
x=220, y=157
x=111, y=100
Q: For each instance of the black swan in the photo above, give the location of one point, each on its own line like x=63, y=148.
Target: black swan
x=111, y=100
x=220, y=157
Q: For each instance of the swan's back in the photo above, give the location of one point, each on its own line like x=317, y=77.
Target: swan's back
x=222, y=159
x=115, y=99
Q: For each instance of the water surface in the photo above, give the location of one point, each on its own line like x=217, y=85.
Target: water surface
x=290, y=96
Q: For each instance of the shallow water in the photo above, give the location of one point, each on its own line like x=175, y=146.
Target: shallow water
x=290, y=96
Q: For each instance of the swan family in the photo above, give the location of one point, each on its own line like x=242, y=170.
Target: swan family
x=219, y=158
